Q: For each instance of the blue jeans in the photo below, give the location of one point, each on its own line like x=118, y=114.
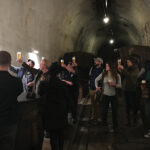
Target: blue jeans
x=8, y=137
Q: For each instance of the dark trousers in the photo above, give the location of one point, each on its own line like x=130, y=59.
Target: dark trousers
x=30, y=127
x=142, y=112
x=73, y=103
x=7, y=137
x=105, y=106
x=131, y=105
x=56, y=139
x=147, y=113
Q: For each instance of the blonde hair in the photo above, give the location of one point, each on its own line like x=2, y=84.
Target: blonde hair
x=46, y=62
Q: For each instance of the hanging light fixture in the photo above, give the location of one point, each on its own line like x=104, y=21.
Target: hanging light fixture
x=106, y=19
x=111, y=41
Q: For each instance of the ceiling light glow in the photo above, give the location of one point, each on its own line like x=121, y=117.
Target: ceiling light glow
x=111, y=41
x=34, y=57
x=35, y=51
x=106, y=19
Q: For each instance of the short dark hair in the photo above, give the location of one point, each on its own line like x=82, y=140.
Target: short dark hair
x=55, y=69
x=132, y=59
x=5, y=58
x=31, y=61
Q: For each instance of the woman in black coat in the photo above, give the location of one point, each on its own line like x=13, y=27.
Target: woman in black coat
x=56, y=104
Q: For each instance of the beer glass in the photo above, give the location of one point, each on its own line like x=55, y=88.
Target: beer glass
x=119, y=61
x=18, y=55
x=74, y=60
x=109, y=81
x=143, y=82
x=62, y=62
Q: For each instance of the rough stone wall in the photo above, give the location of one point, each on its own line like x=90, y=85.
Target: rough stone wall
x=54, y=27
x=135, y=13
x=143, y=52
x=49, y=26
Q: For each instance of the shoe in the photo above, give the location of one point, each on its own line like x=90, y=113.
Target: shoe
x=128, y=124
x=99, y=120
x=111, y=131
x=104, y=124
x=134, y=125
x=147, y=135
x=74, y=121
x=46, y=137
x=85, y=119
x=70, y=119
x=92, y=118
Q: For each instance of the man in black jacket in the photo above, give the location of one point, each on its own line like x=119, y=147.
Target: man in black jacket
x=30, y=133
x=10, y=88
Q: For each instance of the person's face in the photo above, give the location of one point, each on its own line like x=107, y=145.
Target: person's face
x=107, y=67
x=96, y=63
x=129, y=63
x=69, y=67
x=42, y=65
x=30, y=64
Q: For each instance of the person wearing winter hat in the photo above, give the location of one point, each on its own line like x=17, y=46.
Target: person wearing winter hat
x=95, y=70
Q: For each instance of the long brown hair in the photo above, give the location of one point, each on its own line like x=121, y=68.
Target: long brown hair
x=113, y=70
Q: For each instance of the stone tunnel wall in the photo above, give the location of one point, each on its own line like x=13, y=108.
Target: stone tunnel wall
x=143, y=52
x=54, y=27
x=50, y=26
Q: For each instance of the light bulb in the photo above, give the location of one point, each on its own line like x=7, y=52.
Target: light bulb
x=111, y=41
x=106, y=19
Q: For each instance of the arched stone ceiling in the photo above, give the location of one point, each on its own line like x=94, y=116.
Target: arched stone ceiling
x=54, y=27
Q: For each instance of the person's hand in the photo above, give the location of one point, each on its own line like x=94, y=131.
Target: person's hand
x=68, y=82
x=63, y=65
x=70, y=69
x=20, y=61
x=120, y=67
x=111, y=84
x=142, y=87
x=98, y=89
x=42, y=78
x=30, y=84
x=74, y=64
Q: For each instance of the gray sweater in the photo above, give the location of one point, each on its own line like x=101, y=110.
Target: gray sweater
x=107, y=89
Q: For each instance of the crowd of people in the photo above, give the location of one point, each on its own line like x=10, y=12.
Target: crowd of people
x=135, y=85
x=45, y=99
x=35, y=101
